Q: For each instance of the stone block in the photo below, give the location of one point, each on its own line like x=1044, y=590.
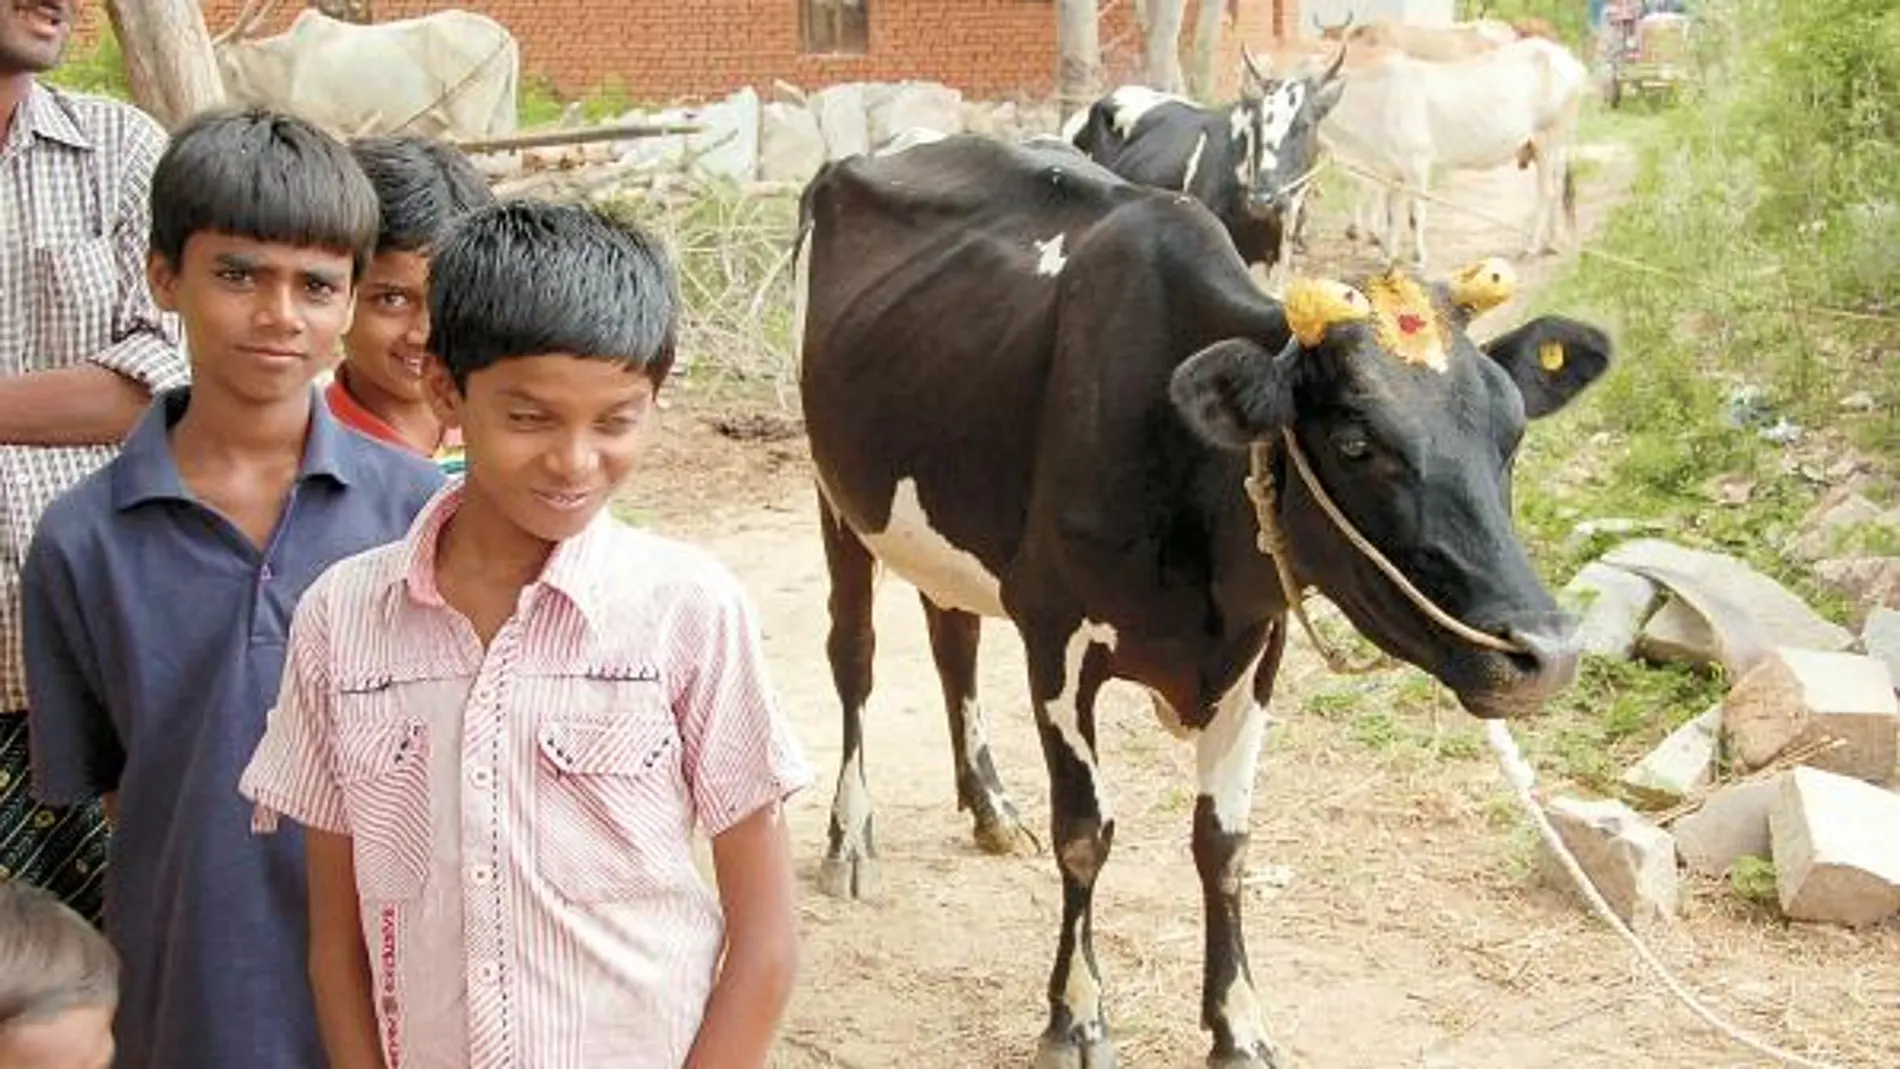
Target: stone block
x=1880, y=637
x=1612, y=605
x=1680, y=763
x=1796, y=696
x=1631, y=862
x=1837, y=855
x=1677, y=634
x=1732, y=824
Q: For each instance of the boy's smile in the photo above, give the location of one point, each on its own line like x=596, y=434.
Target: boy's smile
x=387, y=341
x=261, y=319
x=549, y=438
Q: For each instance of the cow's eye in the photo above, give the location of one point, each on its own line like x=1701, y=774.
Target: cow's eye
x=1353, y=444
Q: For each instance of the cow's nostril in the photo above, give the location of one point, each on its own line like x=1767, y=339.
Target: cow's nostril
x=1552, y=647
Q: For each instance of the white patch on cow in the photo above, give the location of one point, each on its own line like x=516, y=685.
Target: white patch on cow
x=1050, y=259
x=1241, y=1006
x=1081, y=991
x=801, y=293
x=1281, y=109
x=1227, y=754
x=1073, y=125
x=1194, y=162
x=1238, y=123
x=976, y=739
x=912, y=548
x=1062, y=711
x=1130, y=102
x=910, y=137
x=851, y=808
x=1243, y=164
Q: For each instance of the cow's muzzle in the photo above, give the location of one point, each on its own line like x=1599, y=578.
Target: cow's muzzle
x=1550, y=648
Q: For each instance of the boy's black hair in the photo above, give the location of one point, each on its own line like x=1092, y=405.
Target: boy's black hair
x=261, y=175
x=423, y=185
x=527, y=278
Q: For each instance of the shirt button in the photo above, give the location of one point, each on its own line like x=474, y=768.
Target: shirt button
x=481, y=776
x=481, y=874
x=488, y=973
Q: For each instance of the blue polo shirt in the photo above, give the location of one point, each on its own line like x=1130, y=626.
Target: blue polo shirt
x=155, y=638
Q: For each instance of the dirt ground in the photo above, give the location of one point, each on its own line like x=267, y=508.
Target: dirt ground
x=1392, y=919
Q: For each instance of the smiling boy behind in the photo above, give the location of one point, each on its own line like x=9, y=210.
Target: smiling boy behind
x=423, y=187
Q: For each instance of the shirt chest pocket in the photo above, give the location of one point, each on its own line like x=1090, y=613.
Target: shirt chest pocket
x=75, y=291
x=383, y=771
x=611, y=823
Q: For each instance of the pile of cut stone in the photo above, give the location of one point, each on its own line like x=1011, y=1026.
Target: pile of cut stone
x=1796, y=765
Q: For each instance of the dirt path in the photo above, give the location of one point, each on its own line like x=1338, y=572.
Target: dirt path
x=1390, y=918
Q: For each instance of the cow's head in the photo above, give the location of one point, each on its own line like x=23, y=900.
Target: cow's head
x=1411, y=429
x=1276, y=132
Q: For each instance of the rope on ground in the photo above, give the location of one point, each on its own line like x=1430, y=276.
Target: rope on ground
x=1607, y=257
x=1523, y=778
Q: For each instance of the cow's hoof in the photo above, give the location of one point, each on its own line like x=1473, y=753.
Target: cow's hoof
x=1072, y=1053
x=1262, y=1057
x=849, y=877
x=1005, y=836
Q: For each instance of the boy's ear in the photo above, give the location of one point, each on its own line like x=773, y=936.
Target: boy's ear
x=444, y=399
x=162, y=279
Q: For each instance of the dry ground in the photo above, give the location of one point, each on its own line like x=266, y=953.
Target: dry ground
x=1392, y=919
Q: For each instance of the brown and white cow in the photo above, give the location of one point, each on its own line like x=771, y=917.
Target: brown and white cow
x=1031, y=389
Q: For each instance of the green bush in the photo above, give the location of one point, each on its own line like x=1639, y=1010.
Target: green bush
x=98, y=69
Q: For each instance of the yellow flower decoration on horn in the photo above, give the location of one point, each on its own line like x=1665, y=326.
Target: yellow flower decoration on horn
x=1409, y=326
x=1483, y=286
x=1314, y=304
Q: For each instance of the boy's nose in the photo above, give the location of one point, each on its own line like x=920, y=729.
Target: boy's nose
x=276, y=308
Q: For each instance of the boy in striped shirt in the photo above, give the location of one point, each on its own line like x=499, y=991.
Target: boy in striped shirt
x=501, y=732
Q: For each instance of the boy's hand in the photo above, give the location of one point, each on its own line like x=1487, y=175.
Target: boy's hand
x=753, y=863
x=339, y=961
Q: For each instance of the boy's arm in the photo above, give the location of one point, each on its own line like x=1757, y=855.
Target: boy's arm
x=99, y=401
x=753, y=863
x=293, y=774
x=741, y=762
x=339, y=959
x=76, y=751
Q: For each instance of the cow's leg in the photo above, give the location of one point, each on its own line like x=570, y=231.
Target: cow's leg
x=953, y=642
x=1066, y=670
x=849, y=869
x=1418, y=228
x=1227, y=753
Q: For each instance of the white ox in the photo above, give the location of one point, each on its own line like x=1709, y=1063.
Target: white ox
x=452, y=74
x=1400, y=117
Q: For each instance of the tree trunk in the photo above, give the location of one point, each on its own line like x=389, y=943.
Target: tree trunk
x=1162, y=45
x=1078, y=55
x=1204, y=78
x=169, y=65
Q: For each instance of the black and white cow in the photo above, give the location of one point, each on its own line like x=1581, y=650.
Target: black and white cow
x=1250, y=162
x=1031, y=388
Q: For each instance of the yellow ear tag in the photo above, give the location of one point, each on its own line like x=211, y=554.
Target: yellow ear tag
x=1551, y=355
x=1313, y=304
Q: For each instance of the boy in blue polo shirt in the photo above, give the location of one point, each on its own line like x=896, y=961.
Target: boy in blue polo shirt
x=158, y=592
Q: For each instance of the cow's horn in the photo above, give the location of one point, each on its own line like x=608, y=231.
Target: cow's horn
x=1314, y=304
x=1483, y=286
x=1254, y=68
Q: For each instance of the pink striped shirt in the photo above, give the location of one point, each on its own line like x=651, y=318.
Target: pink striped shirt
x=522, y=817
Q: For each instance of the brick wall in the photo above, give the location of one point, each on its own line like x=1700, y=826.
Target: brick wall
x=671, y=50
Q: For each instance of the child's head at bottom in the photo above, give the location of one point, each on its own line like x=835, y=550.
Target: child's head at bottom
x=59, y=984
x=553, y=329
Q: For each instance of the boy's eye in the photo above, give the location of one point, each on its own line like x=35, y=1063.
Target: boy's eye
x=522, y=418
x=393, y=300
x=237, y=276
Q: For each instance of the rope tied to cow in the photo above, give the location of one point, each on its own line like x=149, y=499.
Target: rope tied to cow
x=1263, y=490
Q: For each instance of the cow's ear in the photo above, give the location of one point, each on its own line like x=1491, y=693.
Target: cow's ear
x=1551, y=359
x=1235, y=391
x=1327, y=95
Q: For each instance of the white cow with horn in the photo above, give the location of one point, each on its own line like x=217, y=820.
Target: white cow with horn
x=453, y=74
x=1401, y=116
